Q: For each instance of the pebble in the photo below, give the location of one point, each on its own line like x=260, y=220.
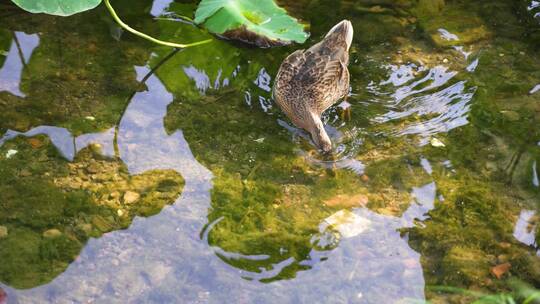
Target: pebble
x=92, y=168
x=35, y=142
x=3, y=232
x=131, y=197
x=52, y=233
x=505, y=245
x=436, y=142
x=86, y=228
x=25, y=173
x=11, y=152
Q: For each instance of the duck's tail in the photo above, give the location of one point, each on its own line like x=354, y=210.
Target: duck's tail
x=342, y=31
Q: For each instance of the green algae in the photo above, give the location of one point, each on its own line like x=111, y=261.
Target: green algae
x=266, y=199
x=63, y=87
x=477, y=215
x=40, y=191
x=272, y=203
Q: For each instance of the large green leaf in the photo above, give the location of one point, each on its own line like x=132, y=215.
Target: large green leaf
x=260, y=22
x=57, y=7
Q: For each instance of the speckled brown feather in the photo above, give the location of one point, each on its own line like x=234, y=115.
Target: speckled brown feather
x=311, y=81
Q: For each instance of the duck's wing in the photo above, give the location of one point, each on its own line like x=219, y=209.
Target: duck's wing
x=284, y=91
x=315, y=75
x=324, y=79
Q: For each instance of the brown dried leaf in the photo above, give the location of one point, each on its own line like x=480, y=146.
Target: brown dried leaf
x=499, y=270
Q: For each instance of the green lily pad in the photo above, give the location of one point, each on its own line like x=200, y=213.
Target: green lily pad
x=259, y=22
x=57, y=7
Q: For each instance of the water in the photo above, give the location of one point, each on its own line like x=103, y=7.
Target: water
x=172, y=177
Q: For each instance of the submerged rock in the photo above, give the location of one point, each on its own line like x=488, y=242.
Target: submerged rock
x=131, y=197
x=52, y=233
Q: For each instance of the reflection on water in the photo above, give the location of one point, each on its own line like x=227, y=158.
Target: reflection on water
x=159, y=7
x=261, y=221
x=62, y=139
x=525, y=230
x=444, y=105
x=535, y=89
x=121, y=259
x=374, y=264
x=22, y=47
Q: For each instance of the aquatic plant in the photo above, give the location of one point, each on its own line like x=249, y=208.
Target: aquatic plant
x=261, y=23
x=51, y=207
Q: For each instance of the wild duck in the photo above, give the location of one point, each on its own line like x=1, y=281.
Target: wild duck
x=309, y=82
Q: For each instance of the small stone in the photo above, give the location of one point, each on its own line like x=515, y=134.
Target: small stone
x=502, y=258
x=364, y=178
x=505, y=245
x=501, y=55
x=35, y=143
x=436, y=142
x=93, y=168
x=96, y=148
x=25, y=173
x=120, y=212
x=115, y=194
x=86, y=228
x=131, y=197
x=445, y=60
x=499, y=270
x=3, y=232
x=52, y=233
x=11, y=152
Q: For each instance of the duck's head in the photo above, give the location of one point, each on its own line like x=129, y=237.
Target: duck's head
x=342, y=31
x=318, y=134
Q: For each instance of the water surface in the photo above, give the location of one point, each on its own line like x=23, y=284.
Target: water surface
x=134, y=173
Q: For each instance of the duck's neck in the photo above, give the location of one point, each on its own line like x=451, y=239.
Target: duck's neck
x=318, y=133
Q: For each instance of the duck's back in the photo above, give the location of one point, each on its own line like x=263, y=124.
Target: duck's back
x=313, y=80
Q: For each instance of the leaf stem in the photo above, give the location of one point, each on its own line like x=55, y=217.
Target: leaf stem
x=147, y=37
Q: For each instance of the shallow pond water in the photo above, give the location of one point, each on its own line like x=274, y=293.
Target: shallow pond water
x=131, y=173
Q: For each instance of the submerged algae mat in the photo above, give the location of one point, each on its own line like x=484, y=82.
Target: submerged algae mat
x=435, y=183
